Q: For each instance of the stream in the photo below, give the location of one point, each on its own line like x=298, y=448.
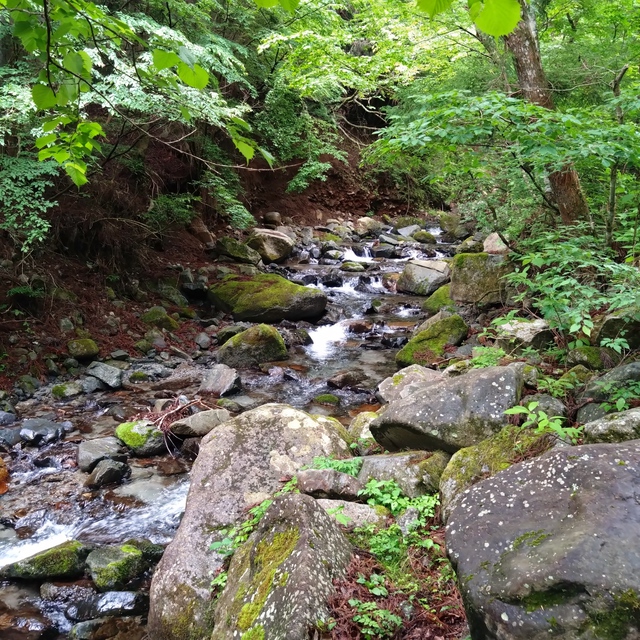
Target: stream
x=47, y=503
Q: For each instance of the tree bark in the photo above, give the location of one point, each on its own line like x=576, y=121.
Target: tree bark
x=523, y=45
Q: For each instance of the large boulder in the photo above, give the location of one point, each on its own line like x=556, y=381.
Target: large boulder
x=66, y=560
x=616, y=427
x=240, y=464
x=280, y=580
x=237, y=251
x=477, y=278
x=474, y=464
x=267, y=298
x=273, y=246
x=423, y=277
x=429, y=345
x=545, y=549
x=252, y=347
x=406, y=381
x=455, y=413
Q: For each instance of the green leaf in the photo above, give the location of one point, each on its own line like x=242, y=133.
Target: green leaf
x=197, y=77
x=496, y=17
x=434, y=7
x=43, y=141
x=186, y=55
x=266, y=4
x=289, y=5
x=76, y=173
x=515, y=410
x=43, y=96
x=164, y=59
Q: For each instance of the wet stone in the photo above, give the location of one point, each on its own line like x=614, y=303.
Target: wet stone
x=108, y=472
x=199, y=424
x=113, y=603
x=10, y=437
x=220, y=380
x=39, y=431
x=90, y=452
x=6, y=418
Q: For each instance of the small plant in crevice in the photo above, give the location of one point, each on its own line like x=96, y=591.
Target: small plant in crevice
x=544, y=423
x=621, y=396
x=558, y=387
x=486, y=357
x=350, y=466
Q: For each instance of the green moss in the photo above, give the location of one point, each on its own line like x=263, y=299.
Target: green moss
x=284, y=578
x=330, y=237
x=144, y=346
x=136, y=434
x=616, y=623
x=354, y=267
x=128, y=564
x=439, y=299
x=59, y=391
x=530, y=538
x=430, y=344
x=158, y=317
x=397, y=378
x=257, y=633
x=270, y=554
x=577, y=375
x=327, y=398
x=537, y=600
x=432, y=469
x=424, y=237
x=83, y=348
x=138, y=376
x=64, y=561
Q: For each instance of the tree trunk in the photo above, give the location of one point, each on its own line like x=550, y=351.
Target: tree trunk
x=522, y=43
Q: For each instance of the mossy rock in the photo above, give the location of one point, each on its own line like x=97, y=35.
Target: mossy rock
x=144, y=346
x=430, y=344
x=327, y=398
x=142, y=437
x=112, y=568
x=267, y=298
x=83, y=348
x=158, y=317
x=138, y=376
x=330, y=237
x=66, y=390
x=408, y=221
x=577, y=375
x=595, y=358
x=67, y=560
x=471, y=465
x=477, y=278
x=424, y=237
x=432, y=469
x=352, y=267
x=237, y=251
x=261, y=343
x=439, y=299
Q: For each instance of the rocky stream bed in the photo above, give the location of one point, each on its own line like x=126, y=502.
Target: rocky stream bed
x=324, y=352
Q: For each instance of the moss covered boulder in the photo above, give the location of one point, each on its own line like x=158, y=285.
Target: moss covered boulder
x=280, y=580
x=158, y=317
x=67, y=560
x=83, y=348
x=546, y=548
x=240, y=464
x=236, y=251
x=252, y=347
x=477, y=278
x=616, y=427
x=267, y=298
x=424, y=237
x=438, y=300
x=473, y=464
x=142, y=437
x=352, y=267
x=112, y=568
x=429, y=345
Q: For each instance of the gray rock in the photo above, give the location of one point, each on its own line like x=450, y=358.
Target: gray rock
x=203, y=340
x=543, y=549
x=455, y=413
x=359, y=426
x=477, y=278
x=590, y=412
x=108, y=472
x=493, y=244
x=328, y=483
x=348, y=379
x=111, y=376
x=601, y=388
x=616, y=427
x=199, y=424
x=91, y=385
x=407, y=232
x=10, y=437
x=39, y=431
x=273, y=246
x=404, y=468
x=613, y=324
x=7, y=418
x=120, y=354
x=307, y=553
x=423, y=277
x=550, y=405
x=520, y=334
x=240, y=464
x=90, y=452
x=357, y=515
x=261, y=343
x=220, y=380
x=113, y=603
x=407, y=381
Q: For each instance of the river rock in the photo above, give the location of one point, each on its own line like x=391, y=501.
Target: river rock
x=616, y=427
x=7, y=418
x=112, y=603
x=348, y=379
x=429, y=345
x=21, y=619
x=127, y=628
x=267, y=298
x=368, y=226
x=40, y=431
x=226, y=333
x=406, y=381
x=83, y=348
x=66, y=560
x=409, y=231
x=273, y=246
x=90, y=452
x=240, y=464
x=10, y=437
x=112, y=568
x=423, y=277
x=142, y=437
x=220, y=380
x=355, y=514
x=199, y=424
x=455, y=413
x=438, y=300
x=404, y=468
x=111, y=376
x=476, y=278
x=328, y=483
x=237, y=251
x=279, y=581
x=494, y=244
x=520, y=333
x=261, y=343
x=542, y=549
x=359, y=426
x=474, y=464
x=108, y=472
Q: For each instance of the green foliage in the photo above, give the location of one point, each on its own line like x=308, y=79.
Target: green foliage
x=558, y=387
x=388, y=494
x=620, y=395
x=544, y=423
x=373, y=621
x=351, y=466
x=486, y=357
x=168, y=210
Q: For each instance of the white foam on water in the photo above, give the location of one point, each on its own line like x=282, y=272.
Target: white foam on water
x=350, y=256
x=326, y=340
